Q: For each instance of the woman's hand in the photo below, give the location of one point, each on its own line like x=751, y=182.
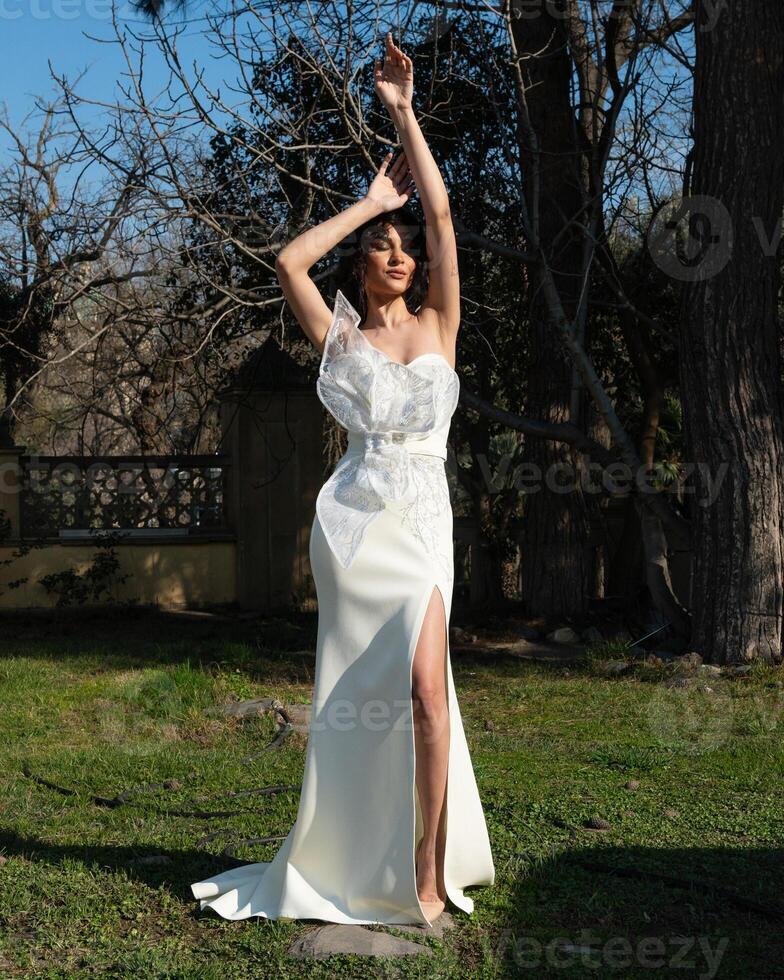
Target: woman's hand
x=389, y=191
x=395, y=80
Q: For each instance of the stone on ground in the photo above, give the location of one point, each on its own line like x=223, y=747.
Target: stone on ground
x=335, y=939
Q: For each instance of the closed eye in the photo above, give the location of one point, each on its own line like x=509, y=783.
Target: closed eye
x=380, y=246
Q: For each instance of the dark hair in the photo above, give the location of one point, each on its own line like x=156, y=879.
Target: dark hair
x=350, y=274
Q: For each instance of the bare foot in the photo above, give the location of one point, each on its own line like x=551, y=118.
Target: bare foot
x=427, y=887
x=430, y=887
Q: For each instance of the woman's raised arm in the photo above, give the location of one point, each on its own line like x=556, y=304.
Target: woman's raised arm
x=390, y=189
x=394, y=82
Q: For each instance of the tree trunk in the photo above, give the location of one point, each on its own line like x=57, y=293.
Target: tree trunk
x=555, y=571
x=730, y=370
x=599, y=552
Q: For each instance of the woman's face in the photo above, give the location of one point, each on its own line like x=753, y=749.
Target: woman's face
x=390, y=262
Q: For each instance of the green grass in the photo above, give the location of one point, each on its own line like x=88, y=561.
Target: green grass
x=691, y=866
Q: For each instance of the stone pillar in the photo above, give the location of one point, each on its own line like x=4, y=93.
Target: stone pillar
x=272, y=422
x=11, y=486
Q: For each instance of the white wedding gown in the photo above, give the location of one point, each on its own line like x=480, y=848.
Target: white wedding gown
x=381, y=541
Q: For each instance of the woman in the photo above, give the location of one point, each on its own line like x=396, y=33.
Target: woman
x=390, y=825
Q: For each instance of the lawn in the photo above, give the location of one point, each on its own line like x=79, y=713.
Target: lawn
x=680, y=876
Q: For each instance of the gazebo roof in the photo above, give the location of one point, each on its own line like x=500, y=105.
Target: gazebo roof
x=270, y=368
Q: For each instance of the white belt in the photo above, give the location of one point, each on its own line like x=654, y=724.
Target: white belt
x=382, y=460
x=360, y=443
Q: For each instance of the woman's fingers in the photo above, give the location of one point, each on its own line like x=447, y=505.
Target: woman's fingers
x=396, y=52
x=385, y=163
x=394, y=170
x=404, y=183
x=399, y=163
x=406, y=176
x=403, y=173
x=399, y=173
x=391, y=49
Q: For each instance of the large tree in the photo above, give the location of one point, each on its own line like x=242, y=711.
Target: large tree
x=730, y=330
x=578, y=66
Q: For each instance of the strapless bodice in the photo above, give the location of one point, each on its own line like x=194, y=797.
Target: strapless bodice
x=397, y=416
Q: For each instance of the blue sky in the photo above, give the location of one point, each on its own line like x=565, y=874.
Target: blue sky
x=35, y=32
x=67, y=33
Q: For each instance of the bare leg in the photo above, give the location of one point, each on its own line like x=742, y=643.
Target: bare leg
x=431, y=739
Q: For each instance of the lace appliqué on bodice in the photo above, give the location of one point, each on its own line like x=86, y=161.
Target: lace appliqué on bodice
x=393, y=407
x=430, y=502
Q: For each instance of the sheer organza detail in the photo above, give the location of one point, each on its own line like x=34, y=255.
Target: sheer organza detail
x=394, y=406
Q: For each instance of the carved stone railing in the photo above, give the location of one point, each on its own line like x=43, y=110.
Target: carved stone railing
x=183, y=494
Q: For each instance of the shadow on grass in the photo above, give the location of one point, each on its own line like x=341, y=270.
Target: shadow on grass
x=135, y=637
x=594, y=911
x=636, y=911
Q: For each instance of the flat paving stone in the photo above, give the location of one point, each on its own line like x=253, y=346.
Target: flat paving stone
x=444, y=921
x=331, y=940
